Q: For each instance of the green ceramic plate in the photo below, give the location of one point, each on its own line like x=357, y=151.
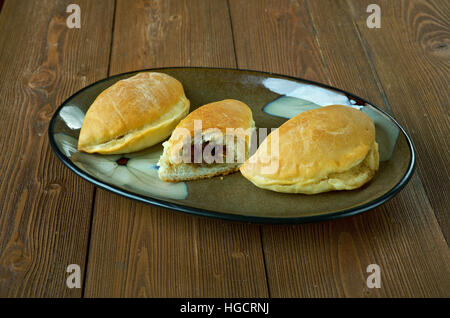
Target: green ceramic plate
x=273, y=99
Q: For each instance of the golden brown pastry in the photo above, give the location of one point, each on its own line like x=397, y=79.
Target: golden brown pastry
x=222, y=144
x=325, y=149
x=133, y=114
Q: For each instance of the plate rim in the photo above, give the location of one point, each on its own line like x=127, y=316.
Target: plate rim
x=230, y=216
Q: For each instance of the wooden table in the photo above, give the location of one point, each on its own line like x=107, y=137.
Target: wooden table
x=50, y=218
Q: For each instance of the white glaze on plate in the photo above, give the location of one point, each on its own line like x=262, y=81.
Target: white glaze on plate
x=300, y=97
x=72, y=116
x=139, y=174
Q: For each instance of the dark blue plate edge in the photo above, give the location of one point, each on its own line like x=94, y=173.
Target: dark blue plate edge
x=229, y=216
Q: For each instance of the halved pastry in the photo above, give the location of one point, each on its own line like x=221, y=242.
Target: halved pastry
x=212, y=140
x=133, y=114
x=325, y=149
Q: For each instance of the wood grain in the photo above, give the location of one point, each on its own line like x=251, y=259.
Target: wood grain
x=139, y=250
x=45, y=209
x=136, y=250
x=413, y=69
x=330, y=259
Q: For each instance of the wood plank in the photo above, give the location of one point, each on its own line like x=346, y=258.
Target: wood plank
x=45, y=209
x=330, y=259
x=139, y=250
x=414, y=70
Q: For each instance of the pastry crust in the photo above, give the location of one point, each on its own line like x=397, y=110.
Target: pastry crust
x=215, y=119
x=133, y=114
x=228, y=113
x=325, y=149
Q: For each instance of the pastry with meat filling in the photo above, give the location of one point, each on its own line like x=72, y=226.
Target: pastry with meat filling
x=133, y=114
x=325, y=149
x=212, y=140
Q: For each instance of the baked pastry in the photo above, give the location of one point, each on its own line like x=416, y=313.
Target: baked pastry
x=133, y=114
x=325, y=149
x=212, y=140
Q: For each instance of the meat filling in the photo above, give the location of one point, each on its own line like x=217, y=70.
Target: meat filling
x=195, y=148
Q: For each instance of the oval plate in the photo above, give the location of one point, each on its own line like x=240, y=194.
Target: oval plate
x=273, y=98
